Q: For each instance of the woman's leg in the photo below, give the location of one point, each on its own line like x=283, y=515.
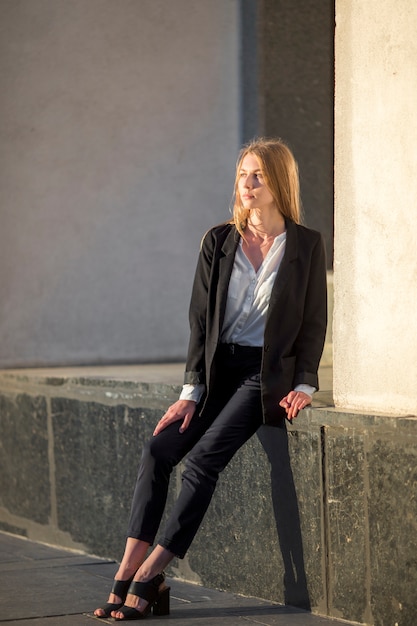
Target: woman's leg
x=159, y=457
x=235, y=424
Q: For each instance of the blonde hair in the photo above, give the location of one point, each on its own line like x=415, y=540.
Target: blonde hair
x=280, y=171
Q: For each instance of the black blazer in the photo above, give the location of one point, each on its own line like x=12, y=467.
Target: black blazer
x=296, y=322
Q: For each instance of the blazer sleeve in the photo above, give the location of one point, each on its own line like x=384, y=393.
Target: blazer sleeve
x=309, y=343
x=195, y=364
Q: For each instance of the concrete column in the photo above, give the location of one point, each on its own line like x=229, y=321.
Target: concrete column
x=375, y=269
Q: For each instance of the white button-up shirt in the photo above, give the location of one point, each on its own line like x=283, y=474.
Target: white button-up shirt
x=249, y=294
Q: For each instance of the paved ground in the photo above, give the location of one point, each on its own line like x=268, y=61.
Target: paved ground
x=45, y=586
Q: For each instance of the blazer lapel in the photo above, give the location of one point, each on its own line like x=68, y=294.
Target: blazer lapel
x=226, y=261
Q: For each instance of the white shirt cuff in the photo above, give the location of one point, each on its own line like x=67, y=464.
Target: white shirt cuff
x=192, y=392
x=308, y=389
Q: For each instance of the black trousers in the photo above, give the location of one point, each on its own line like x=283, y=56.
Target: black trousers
x=230, y=418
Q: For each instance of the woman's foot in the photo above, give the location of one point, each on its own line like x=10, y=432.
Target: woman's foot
x=133, y=557
x=148, y=588
x=116, y=598
x=135, y=602
x=144, y=596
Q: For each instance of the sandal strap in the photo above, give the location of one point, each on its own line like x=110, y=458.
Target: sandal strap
x=109, y=607
x=120, y=588
x=147, y=591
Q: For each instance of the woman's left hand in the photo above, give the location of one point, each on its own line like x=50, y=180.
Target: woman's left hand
x=180, y=410
x=294, y=402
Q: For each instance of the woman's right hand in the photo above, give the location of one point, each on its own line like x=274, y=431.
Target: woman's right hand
x=180, y=410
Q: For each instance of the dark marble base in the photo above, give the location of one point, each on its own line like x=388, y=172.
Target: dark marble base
x=322, y=517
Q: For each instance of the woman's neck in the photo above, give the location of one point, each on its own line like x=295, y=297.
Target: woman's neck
x=265, y=225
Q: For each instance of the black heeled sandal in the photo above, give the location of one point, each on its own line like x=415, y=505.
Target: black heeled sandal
x=120, y=589
x=158, y=600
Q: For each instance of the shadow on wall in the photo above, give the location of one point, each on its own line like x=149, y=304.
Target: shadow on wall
x=284, y=499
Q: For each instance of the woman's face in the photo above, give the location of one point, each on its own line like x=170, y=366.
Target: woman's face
x=253, y=191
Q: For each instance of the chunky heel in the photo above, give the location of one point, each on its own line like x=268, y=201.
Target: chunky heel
x=161, y=606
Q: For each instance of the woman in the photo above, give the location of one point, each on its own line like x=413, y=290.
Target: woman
x=258, y=322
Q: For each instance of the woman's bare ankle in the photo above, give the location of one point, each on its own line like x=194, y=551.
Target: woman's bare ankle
x=124, y=573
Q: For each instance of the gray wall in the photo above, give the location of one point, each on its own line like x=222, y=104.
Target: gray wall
x=120, y=123
x=119, y=134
